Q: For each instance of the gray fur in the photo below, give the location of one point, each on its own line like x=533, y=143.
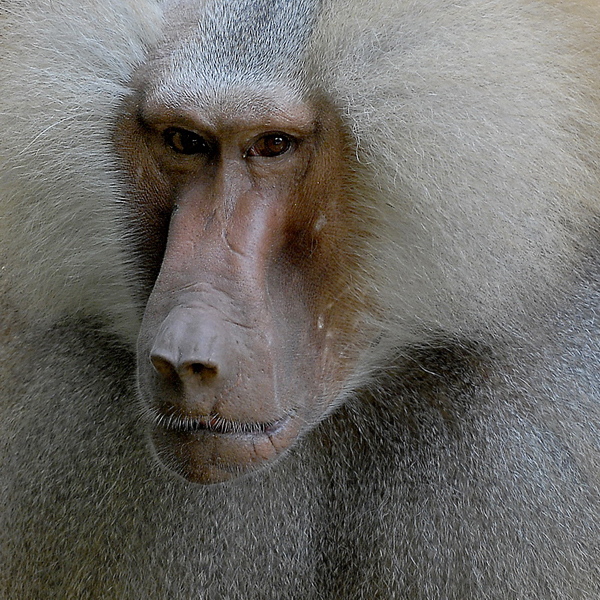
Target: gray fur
x=463, y=459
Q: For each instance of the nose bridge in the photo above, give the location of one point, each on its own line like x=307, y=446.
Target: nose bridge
x=229, y=227
x=248, y=214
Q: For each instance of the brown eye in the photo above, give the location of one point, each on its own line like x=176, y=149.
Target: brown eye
x=273, y=144
x=183, y=141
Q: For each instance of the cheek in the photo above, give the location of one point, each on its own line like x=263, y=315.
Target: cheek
x=150, y=200
x=315, y=276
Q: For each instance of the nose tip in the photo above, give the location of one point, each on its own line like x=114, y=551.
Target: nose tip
x=190, y=347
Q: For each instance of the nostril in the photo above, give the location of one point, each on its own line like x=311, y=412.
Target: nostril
x=202, y=371
x=164, y=367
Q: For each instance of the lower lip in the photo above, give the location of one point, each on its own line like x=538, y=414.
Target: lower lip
x=207, y=456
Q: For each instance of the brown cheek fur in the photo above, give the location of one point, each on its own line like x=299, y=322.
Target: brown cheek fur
x=152, y=195
x=327, y=238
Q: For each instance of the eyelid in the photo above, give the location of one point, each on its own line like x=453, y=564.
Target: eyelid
x=186, y=135
x=290, y=140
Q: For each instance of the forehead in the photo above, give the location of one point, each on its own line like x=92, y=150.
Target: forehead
x=219, y=108
x=239, y=39
x=185, y=77
x=243, y=58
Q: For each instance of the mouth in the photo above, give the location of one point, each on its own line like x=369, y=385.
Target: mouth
x=216, y=423
x=212, y=449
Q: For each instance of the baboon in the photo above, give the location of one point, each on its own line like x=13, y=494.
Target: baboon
x=299, y=299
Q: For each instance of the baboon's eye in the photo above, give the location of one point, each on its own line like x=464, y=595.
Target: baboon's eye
x=272, y=144
x=183, y=141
